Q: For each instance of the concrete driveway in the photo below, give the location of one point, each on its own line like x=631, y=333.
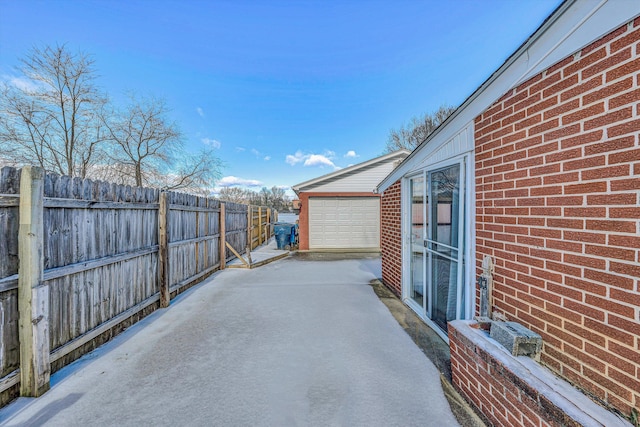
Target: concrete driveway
x=293, y=343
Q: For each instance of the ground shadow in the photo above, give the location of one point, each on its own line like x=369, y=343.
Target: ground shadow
x=46, y=413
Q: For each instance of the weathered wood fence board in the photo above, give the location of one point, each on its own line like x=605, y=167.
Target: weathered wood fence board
x=117, y=220
x=33, y=297
x=9, y=344
x=236, y=228
x=101, y=256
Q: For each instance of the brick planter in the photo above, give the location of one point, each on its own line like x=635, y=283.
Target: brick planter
x=516, y=391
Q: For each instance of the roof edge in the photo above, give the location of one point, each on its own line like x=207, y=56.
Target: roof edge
x=298, y=187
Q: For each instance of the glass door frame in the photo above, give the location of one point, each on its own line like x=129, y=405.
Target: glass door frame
x=465, y=223
x=418, y=246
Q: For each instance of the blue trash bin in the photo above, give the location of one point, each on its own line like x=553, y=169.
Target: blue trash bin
x=281, y=241
x=284, y=232
x=294, y=234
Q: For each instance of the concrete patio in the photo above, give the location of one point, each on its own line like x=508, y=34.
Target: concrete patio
x=295, y=342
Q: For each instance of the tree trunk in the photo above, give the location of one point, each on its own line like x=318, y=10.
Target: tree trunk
x=138, y=174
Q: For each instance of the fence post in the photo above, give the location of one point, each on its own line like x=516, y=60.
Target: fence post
x=249, y=227
x=259, y=225
x=269, y=227
x=33, y=296
x=163, y=250
x=223, y=236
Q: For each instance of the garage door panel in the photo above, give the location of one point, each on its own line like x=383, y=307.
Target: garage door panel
x=344, y=222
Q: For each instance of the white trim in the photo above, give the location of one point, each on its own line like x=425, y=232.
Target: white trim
x=462, y=221
x=470, y=250
x=446, y=162
x=529, y=73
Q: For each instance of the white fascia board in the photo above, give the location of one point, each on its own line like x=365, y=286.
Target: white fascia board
x=574, y=25
x=587, y=21
x=401, y=154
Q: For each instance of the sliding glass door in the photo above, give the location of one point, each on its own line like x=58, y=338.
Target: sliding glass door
x=437, y=243
x=443, y=243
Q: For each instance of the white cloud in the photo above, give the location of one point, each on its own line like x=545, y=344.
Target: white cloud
x=259, y=155
x=233, y=181
x=294, y=159
x=312, y=159
x=351, y=154
x=211, y=142
x=318, y=160
x=240, y=149
x=200, y=111
x=21, y=83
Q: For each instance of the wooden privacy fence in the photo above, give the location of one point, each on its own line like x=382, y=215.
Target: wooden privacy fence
x=260, y=230
x=80, y=260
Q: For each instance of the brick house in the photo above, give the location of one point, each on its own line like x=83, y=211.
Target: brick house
x=339, y=210
x=538, y=172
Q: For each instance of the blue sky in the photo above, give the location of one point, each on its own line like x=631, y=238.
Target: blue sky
x=285, y=91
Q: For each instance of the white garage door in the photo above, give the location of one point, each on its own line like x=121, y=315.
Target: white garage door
x=344, y=222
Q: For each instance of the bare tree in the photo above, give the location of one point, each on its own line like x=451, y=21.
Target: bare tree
x=234, y=195
x=144, y=138
x=195, y=173
x=149, y=149
x=279, y=199
x=413, y=134
x=53, y=114
x=265, y=196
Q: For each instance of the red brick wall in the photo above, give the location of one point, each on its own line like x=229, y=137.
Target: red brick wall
x=557, y=182
x=390, y=234
x=303, y=222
